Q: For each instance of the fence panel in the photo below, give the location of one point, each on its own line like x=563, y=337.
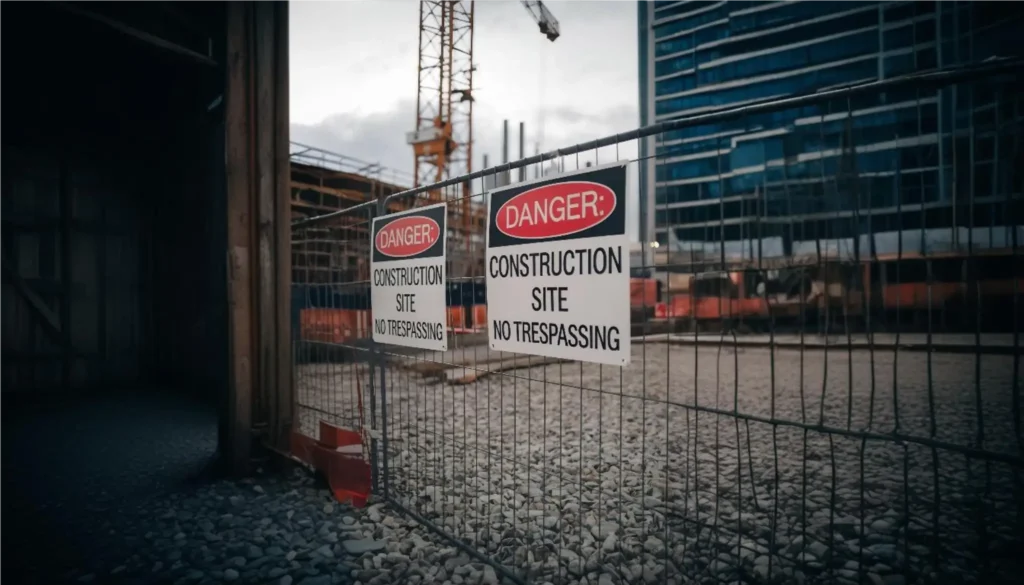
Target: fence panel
x=331, y=318
x=827, y=389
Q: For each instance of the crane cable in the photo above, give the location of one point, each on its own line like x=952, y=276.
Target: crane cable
x=540, y=109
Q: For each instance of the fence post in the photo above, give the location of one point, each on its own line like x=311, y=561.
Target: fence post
x=381, y=361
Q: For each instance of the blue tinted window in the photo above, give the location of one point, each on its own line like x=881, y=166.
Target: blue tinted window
x=692, y=169
x=783, y=14
x=796, y=84
x=899, y=64
x=688, y=41
x=691, y=192
x=673, y=65
x=835, y=49
x=675, y=84
x=691, y=22
x=755, y=152
x=680, y=8
x=692, y=147
x=898, y=38
x=797, y=34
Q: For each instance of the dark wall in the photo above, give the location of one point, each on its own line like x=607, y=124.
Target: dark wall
x=122, y=135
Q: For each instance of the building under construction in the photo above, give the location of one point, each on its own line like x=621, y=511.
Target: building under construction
x=335, y=252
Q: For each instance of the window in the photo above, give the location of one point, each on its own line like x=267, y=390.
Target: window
x=691, y=22
x=784, y=13
x=755, y=152
x=796, y=84
x=692, y=169
x=675, y=85
x=796, y=58
x=673, y=65
x=692, y=147
x=676, y=8
x=694, y=39
x=799, y=33
x=687, y=193
x=899, y=65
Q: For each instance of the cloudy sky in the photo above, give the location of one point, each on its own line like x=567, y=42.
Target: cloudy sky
x=353, y=77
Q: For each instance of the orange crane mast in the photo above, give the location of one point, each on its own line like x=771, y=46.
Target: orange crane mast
x=443, y=137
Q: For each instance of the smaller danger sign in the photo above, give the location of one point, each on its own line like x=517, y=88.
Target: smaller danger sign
x=407, y=272
x=558, y=267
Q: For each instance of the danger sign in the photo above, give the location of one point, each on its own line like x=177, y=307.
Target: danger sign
x=407, y=272
x=558, y=267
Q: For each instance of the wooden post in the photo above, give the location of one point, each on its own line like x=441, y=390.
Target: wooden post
x=284, y=410
x=259, y=229
x=239, y=239
x=266, y=184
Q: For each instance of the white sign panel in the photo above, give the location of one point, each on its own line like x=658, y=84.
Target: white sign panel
x=558, y=267
x=407, y=278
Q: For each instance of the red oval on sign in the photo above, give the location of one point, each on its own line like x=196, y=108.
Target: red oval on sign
x=407, y=236
x=555, y=210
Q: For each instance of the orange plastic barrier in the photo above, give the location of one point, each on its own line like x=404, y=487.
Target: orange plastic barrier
x=643, y=292
x=338, y=455
x=456, y=317
x=325, y=325
x=480, y=316
x=334, y=325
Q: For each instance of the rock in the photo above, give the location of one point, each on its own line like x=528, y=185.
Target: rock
x=285, y=580
x=455, y=562
x=654, y=545
x=819, y=550
x=316, y=580
x=365, y=545
x=605, y=579
x=881, y=525
x=489, y=576
x=604, y=529
x=230, y=575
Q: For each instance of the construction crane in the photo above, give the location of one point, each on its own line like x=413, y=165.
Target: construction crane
x=443, y=139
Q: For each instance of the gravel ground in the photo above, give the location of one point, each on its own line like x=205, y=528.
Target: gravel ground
x=582, y=474
x=117, y=501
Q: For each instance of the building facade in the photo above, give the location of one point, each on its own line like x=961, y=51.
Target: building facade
x=847, y=176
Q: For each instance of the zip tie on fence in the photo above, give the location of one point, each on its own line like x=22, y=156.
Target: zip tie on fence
x=948, y=75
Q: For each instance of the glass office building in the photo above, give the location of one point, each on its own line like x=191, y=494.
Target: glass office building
x=782, y=183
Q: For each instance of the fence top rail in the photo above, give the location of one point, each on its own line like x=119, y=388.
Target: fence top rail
x=939, y=77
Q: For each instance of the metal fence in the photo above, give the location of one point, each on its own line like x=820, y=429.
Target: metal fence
x=827, y=389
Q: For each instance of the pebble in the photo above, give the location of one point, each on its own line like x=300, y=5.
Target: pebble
x=604, y=491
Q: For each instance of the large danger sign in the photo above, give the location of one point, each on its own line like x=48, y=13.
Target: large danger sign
x=558, y=267
x=407, y=272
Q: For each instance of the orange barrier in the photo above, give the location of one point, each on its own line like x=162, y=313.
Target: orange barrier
x=479, y=316
x=324, y=325
x=456, y=318
x=643, y=292
x=661, y=311
x=338, y=454
x=334, y=325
